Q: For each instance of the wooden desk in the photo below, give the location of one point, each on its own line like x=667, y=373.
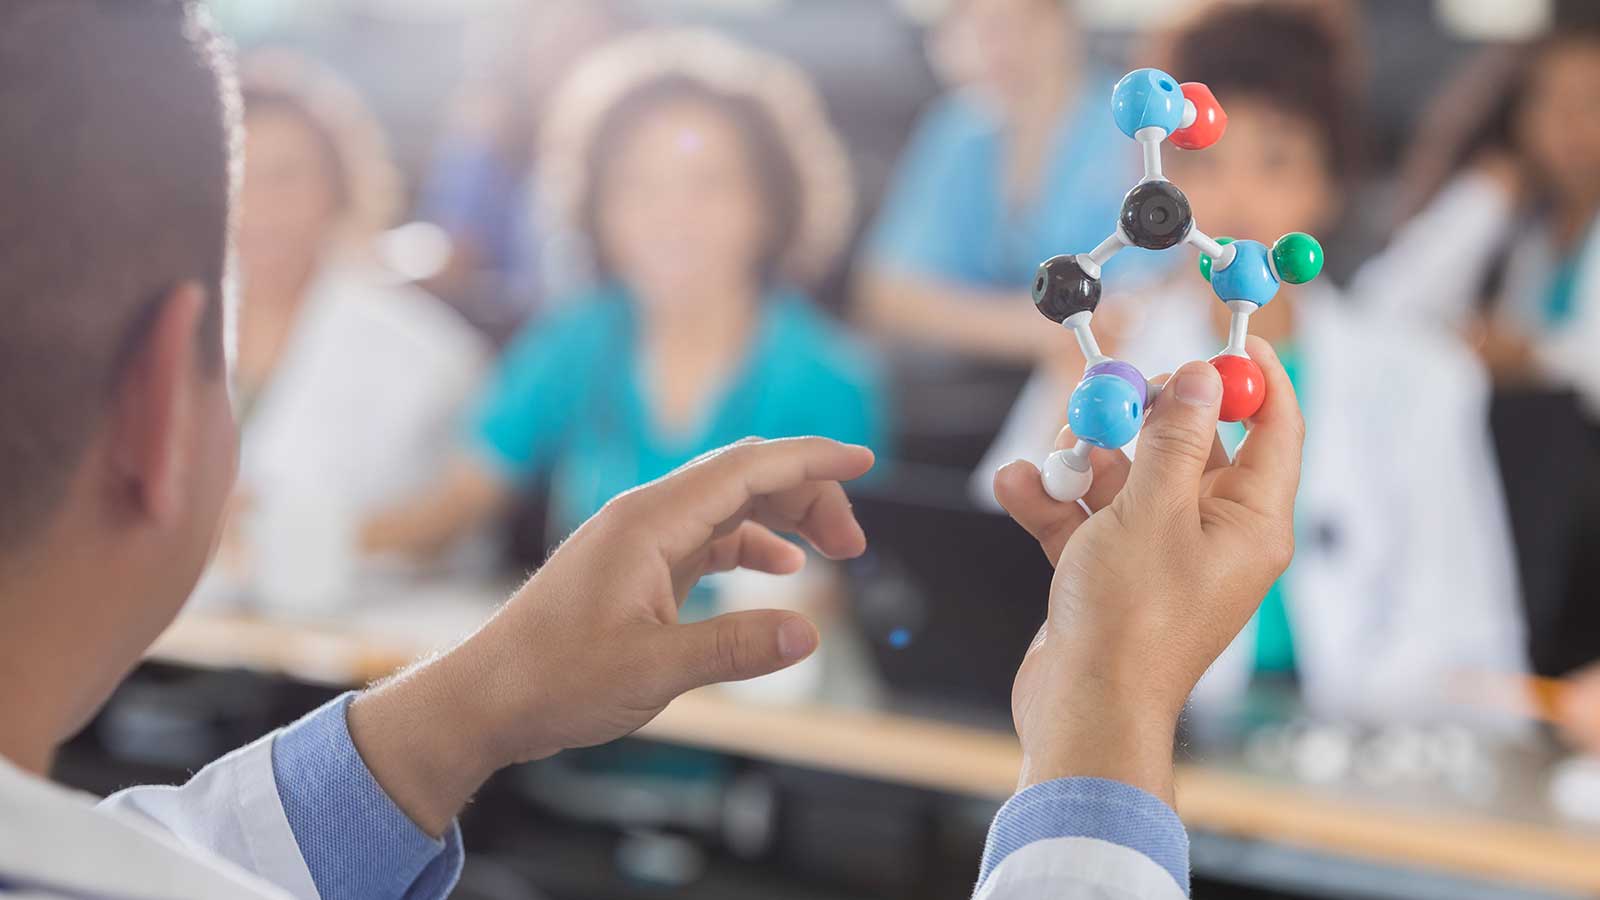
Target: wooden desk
x=961, y=760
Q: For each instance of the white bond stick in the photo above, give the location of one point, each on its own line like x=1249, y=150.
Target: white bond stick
x=1077, y=458
x=1206, y=244
x=1078, y=324
x=1099, y=256
x=1238, y=326
x=1150, y=138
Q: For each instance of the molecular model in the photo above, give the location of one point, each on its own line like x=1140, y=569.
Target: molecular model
x=1109, y=404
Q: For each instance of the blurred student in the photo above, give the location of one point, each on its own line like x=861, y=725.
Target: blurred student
x=707, y=180
x=1505, y=248
x=1019, y=160
x=1509, y=174
x=351, y=384
x=1403, y=575
x=479, y=187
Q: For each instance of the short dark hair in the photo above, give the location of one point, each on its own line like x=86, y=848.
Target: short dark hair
x=777, y=176
x=119, y=121
x=1296, y=55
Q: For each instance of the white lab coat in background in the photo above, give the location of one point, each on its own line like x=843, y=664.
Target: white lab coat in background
x=1434, y=269
x=1403, y=576
x=224, y=834
x=363, y=411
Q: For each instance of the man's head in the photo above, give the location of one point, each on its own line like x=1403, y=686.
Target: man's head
x=117, y=445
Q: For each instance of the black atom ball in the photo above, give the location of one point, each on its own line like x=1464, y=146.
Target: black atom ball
x=1063, y=288
x=1155, y=215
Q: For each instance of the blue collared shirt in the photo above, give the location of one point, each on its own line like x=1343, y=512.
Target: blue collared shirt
x=357, y=843
x=360, y=846
x=1092, y=808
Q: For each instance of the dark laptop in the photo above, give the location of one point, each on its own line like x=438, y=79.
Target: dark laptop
x=948, y=595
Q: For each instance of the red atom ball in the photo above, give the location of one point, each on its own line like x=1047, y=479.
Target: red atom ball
x=1209, y=121
x=1243, y=386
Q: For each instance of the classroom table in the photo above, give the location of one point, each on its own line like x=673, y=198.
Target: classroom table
x=1229, y=811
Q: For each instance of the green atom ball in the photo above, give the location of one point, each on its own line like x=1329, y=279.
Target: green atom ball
x=1298, y=257
x=1205, y=261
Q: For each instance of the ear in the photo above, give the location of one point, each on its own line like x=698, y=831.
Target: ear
x=155, y=408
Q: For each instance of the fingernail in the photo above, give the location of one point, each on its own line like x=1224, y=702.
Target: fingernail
x=796, y=639
x=1196, y=386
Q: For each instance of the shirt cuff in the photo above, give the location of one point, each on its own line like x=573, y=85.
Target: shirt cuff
x=354, y=839
x=1093, y=808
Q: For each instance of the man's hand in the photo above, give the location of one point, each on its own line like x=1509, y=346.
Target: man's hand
x=591, y=647
x=1171, y=558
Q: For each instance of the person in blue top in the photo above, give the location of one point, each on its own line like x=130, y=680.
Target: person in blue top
x=1018, y=161
x=702, y=197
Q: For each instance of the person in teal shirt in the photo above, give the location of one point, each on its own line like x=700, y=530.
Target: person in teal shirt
x=1020, y=161
x=677, y=158
x=594, y=428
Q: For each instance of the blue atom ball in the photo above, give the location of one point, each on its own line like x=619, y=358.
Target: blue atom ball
x=1105, y=410
x=1146, y=97
x=1248, y=277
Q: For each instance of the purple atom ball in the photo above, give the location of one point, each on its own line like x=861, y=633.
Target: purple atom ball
x=1126, y=372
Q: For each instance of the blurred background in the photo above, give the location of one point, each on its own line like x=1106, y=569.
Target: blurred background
x=501, y=260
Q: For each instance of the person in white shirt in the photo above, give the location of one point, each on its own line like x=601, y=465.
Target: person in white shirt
x=347, y=375
x=115, y=470
x=1501, y=247
x=1404, y=583
x=1505, y=174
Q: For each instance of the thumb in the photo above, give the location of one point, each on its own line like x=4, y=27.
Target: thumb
x=733, y=647
x=1175, y=442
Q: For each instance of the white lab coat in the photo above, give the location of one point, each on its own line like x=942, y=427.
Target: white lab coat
x=363, y=411
x=224, y=834
x=1434, y=269
x=1403, y=577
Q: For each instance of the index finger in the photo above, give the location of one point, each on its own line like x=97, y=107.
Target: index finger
x=1051, y=522
x=1270, y=454
x=798, y=476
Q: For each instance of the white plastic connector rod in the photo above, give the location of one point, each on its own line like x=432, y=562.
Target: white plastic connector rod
x=1100, y=255
x=1206, y=244
x=1150, y=138
x=1190, y=113
x=1066, y=474
x=1238, y=326
x=1078, y=324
